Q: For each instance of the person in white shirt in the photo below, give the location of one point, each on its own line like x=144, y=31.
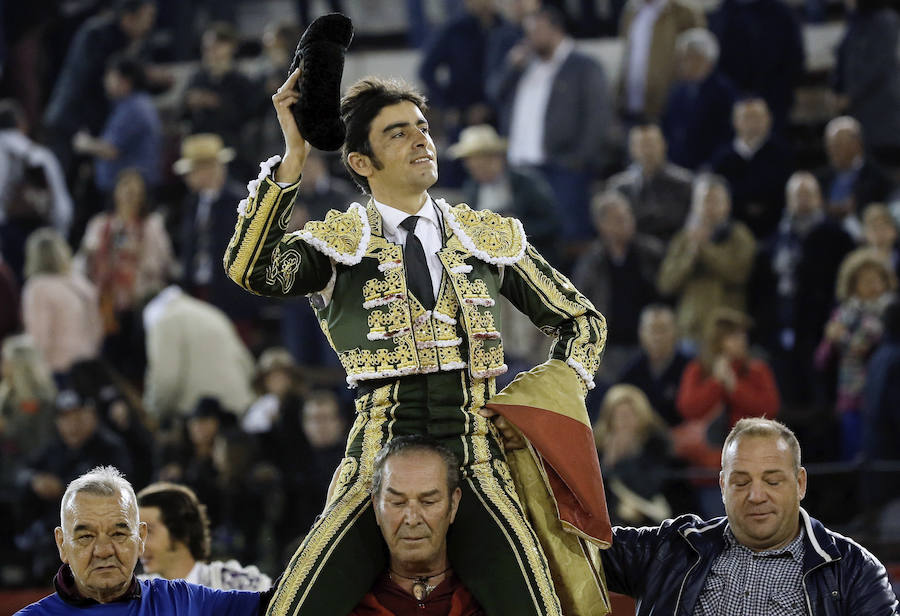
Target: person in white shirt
x=178, y=542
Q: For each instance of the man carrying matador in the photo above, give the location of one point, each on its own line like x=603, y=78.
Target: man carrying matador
x=405, y=288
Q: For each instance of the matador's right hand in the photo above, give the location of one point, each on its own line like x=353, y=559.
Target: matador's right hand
x=296, y=149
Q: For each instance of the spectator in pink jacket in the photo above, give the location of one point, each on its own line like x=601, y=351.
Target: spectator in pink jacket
x=60, y=308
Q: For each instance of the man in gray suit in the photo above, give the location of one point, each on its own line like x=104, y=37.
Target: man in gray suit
x=554, y=106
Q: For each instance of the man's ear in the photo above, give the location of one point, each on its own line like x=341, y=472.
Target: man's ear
x=801, y=482
x=58, y=535
x=454, y=503
x=360, y=163
x=722, y=484
x=142, y=532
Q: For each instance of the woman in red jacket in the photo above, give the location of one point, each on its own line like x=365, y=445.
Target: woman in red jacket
x=717, y=389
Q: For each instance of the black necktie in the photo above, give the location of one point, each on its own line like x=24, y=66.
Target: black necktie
x=417, y=277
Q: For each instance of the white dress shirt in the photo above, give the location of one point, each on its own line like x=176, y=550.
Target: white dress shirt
x=640, y=39
x=429, y=230
x=526, y=130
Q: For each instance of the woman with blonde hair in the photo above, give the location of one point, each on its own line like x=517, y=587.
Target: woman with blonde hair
x=865, y=286
x=27, y=393
x=60, y=309
x=634, y=451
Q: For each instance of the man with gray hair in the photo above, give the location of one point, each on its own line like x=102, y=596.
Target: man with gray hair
x=618, y=275
x=415, y=496
x=697, y=117
x=100, y=539
x=766, y=556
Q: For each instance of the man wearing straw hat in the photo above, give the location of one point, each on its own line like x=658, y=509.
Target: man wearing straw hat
x=406, y=289
x=207, y=221
x=519, y=193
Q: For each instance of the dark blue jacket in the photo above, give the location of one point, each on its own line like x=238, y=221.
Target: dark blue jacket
x=697, y=119
x=664, y=568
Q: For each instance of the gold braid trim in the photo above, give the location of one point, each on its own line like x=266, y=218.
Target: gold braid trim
x=336, y=521
x=241, y=268
x=503, y=499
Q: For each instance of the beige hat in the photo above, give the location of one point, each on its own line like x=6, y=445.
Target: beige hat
x=480, y=139
x=202, y=147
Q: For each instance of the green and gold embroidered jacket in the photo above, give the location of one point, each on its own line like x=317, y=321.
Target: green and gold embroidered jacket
x=356, y=282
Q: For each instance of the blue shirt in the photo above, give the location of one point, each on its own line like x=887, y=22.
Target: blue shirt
x=133, y=128
x=158, y=597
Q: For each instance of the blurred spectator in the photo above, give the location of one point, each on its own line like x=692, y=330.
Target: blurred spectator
x=216, y=94
x=132, y=134
x=207, y=223
x=60, y=307
x=119, y=409
x=708, y=263
x=453, y=71
x=127, y=254
x=852, y=180
x=80, y=444
x=618, y=275
x=281, y=387
x=178, y=542
x=697, y=117
x=512, y=192
x=757, y=164
x=649, y=29
x=33, y=191
x=10, y=321
x=724, y=384
x=794, y=278
x=867, y=75
x=279, y=39
x=307, y=471
x=881, y=411
x=192, y=462
x=657, y=369
x=319, y=192
x=635, y=453
x=77, y=102
x=880, y=233
x=659, y=191
x=507, y=34
x=192, y=351
x=762, y=51
x=554, y=107
x=27, y=394
x=866, y=285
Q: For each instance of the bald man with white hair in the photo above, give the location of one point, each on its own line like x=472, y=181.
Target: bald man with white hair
x=100, y=539
x=851, y=181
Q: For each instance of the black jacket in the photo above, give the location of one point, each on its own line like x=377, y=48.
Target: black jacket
x=664, y=568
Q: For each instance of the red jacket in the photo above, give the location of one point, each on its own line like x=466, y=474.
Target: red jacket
x=754, y=395
x=701, y=399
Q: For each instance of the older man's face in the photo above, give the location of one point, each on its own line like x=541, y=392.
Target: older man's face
x=414, y=510
x=101, y=539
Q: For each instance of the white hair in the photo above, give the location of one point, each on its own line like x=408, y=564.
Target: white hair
x=698, y=40
x=100, y=481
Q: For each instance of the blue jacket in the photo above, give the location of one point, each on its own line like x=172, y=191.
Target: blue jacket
x=664, y=568
x=158, y=597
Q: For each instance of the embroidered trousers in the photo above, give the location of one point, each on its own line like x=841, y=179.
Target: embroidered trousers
x=491, y=546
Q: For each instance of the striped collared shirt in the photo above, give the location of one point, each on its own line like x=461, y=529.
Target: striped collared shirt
x=749, y=583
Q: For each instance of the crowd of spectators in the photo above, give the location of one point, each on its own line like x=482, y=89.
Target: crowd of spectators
x=740, y=274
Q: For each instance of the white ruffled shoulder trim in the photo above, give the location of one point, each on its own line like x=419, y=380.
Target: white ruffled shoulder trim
x=329, y=250
x=469, y=245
